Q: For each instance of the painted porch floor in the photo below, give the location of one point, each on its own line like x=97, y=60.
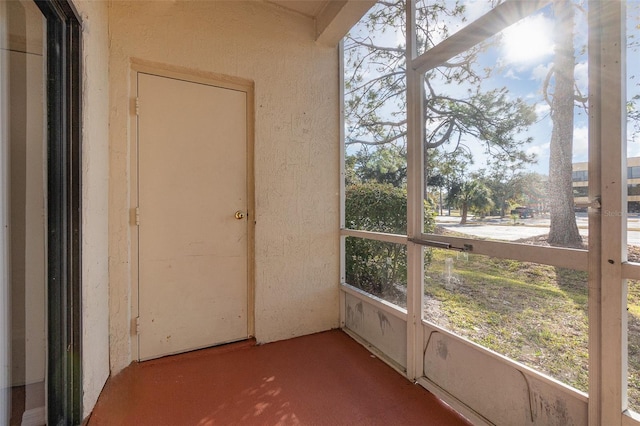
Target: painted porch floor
x=321, y=379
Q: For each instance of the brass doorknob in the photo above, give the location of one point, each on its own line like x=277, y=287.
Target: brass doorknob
x=239, y=215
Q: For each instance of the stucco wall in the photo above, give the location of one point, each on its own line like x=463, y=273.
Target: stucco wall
x=296, y=150
x=95, y=186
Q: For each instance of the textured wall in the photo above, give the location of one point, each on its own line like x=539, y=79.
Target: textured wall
x=296, y=150
x=95, y=186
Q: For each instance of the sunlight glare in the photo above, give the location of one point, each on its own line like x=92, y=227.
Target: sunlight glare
x=527, y=40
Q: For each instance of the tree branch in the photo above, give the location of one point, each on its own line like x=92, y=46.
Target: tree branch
x=380, y=48
x=545, y=85
x=444, y=137
x=376, y=143
x=579, y=97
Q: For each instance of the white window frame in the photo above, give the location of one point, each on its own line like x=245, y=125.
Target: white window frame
x=605, y=260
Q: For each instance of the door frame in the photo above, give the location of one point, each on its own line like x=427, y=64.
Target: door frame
x=212, y=79
x=64, y=211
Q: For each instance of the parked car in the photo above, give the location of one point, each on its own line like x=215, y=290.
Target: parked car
x=523, y=212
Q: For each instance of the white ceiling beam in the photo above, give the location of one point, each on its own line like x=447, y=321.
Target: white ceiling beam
x=337, y=18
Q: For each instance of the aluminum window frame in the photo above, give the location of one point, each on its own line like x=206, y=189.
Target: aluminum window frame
x=64, y=207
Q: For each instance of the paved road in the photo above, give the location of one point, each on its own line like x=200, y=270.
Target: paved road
x=503, y=229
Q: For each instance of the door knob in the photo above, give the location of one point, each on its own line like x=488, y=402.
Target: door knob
x=239, y=215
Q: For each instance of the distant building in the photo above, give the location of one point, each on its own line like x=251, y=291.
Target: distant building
x=580, y=184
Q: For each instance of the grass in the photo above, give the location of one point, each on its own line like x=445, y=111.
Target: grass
x=534, y=314
x=633, y=308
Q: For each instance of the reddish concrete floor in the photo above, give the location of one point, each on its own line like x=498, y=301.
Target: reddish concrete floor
x=321, y=379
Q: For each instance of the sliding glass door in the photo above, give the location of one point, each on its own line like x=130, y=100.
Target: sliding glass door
x=40, y=211
x=24, y=139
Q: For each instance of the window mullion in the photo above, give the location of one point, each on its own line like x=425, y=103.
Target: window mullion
x=607, y=292
x=415, y=211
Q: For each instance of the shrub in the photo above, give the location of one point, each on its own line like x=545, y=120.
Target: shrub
x=378, y=267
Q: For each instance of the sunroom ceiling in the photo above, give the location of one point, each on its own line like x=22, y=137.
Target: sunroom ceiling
x=333, y=18
x=310, y=8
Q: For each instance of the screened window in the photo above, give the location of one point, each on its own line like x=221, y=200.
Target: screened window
x=502, y=152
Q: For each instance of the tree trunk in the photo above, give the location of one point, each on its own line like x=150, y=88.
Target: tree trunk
x=463, y=214
x=563, y=231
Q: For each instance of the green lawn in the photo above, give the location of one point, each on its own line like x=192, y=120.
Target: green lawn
x=532, y=313
x=535, y=314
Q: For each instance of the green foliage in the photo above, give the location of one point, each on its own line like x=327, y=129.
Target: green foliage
x=386, y=164
x=510, y=186
x=350, y=178
x=473, y=196
x=490, y=117
x=437, y=181
x=376, y=207
x=377, y=267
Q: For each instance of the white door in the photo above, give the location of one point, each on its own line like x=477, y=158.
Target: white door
x=192, y=179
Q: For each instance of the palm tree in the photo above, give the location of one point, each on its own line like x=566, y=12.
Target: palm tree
x=471, y=196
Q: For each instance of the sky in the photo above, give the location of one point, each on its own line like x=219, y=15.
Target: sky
x=525, y=55
x=521, y=60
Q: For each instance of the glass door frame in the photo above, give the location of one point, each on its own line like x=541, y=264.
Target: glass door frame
x=64, y=211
